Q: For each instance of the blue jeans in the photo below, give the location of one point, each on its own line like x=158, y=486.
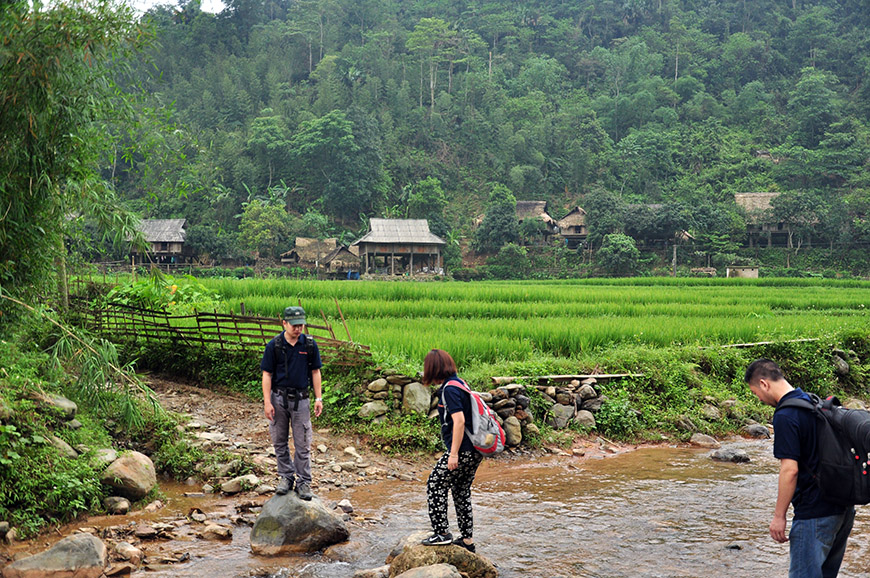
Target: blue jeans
x=817, y=545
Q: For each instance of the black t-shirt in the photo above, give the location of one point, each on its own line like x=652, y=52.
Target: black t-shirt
x=794, y=438
x=293, y=373
x=456, y=400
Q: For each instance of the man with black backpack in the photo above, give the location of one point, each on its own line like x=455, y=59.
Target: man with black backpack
x=819, y=527
x=291, y=365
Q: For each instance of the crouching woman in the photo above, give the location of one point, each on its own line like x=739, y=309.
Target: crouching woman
x=455, y=470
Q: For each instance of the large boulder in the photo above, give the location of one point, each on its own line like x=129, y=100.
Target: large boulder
x=76, y=556
x=513, y=431
x=434, y=571
x=373, y=409
x=416, y=398
x=289, y=525
x=562, y=414
x=467, y=563
x=132, y=475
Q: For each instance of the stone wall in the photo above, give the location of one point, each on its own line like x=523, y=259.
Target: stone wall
x=575, y=401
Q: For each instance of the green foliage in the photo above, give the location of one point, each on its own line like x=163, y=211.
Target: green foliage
x=405, y=434
x=618, y=255
x=264, y=229
x=62, y=110
x=616, y=418
x=159, y=291
x=499, y=225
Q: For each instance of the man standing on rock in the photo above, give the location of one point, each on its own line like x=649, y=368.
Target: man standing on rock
x=819, y=529
x=291, y=364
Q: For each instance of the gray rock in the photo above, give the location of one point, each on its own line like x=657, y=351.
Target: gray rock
x=841, y=366
x=378, y=386
x=499, y=394
x=711, y=413
x=116, y=505
x=372, y=409
x=66, y=407
x=730, y=455
x=217, y=532
x=593, y=404
x=345, y=506
x=587, y=392
x=105, y=456
x=523, y=401
x=686, y=424
x=382, y=572
x=416, y=398
x=419, y=556
x=132, y=475
x=433, y=571
x=287, y=525
x=64, y=448
x=513, y=431
x=4, y=527
x=240, y=483
x=565, y=398
x=504, y=403
x=399, y=379
x=757, y=431
x=381, y=395
x=562, y=414
x=585, y=419
x=127, y=551
x=485, y=396
x=704, y=441
x=506, y=412
x=531, y=428
x=79, y=555
x=74, y=424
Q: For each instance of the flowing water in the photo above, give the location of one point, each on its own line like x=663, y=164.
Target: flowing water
x=654, y=512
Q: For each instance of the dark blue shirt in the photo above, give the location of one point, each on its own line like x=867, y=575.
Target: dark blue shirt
x=795, y=439
x=456, y=400
x=289, y=368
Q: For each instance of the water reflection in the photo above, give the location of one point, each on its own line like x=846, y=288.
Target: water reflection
x=656, y=512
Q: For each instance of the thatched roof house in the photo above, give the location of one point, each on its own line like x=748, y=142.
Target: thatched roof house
x=534, y=210
x=403, y=242
x=342, y=259
x=165, y=237
x=572, y=227
x=757, y=208
x=308, y=252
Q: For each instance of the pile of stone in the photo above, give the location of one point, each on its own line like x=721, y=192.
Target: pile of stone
x=565, y=403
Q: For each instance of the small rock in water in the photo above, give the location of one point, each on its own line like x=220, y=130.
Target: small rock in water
x=346, y=506
x=704, y=441
x=733, y=547
x=730, y=455
x=757, y=431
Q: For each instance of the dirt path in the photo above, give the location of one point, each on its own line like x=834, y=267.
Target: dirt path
x=236, y=423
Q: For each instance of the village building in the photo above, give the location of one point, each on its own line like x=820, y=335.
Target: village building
x=537, y=210
x=165, y=238
x=342, y=262
x=758, y=212
x=572, y=227
x=744, y=271
x=397, y=246
x=309, y=253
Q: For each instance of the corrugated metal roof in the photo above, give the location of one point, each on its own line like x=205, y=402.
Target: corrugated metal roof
x=163, y=230
x=414, y=231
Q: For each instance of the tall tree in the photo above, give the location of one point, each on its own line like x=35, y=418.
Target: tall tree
x=58, y=104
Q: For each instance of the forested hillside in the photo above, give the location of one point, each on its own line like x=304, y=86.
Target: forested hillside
x=340, y=110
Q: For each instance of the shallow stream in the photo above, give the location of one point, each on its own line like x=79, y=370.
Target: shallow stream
x=649, y=513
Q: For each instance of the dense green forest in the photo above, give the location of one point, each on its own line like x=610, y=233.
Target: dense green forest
x=340, y=110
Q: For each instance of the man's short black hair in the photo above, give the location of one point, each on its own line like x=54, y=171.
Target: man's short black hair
x=763, y=369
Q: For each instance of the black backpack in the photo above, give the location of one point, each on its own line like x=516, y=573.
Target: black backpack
x=281, y=345
x=843, y=448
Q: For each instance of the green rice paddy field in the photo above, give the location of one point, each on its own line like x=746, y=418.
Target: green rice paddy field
x=493, y=322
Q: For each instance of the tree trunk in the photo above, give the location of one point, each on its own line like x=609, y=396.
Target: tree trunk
x=62, y=279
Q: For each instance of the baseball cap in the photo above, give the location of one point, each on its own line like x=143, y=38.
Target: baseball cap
x=294, y=315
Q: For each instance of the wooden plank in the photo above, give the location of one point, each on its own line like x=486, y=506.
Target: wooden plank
x=503, y=380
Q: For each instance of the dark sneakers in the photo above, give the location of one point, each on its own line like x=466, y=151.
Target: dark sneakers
x=284, y=486
x=304, y=491
x=461, y=542
x=438, y=540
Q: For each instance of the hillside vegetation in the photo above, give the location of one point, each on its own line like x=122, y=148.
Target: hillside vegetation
x=341, y=110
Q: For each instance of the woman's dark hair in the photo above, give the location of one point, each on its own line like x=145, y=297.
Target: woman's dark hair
x=437, y=366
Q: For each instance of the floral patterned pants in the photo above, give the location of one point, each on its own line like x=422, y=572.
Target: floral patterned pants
x=457, y=481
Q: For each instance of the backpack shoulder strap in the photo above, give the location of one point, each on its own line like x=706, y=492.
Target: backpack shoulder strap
x=457, y=383
x=814, y=404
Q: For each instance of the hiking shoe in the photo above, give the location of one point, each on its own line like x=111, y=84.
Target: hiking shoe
x=438, y=540
x=284, y=486
x=304, y=491
x=461, y=542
